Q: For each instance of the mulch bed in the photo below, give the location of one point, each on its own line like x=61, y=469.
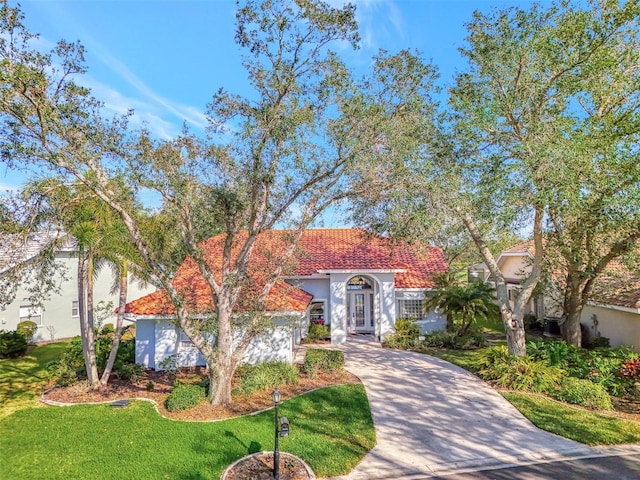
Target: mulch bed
x=163, y=383
x=260, y=467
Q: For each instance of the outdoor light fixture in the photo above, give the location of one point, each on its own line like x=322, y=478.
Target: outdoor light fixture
x=281, y=430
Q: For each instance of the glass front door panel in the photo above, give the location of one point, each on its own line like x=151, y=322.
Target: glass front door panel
x=359, y=309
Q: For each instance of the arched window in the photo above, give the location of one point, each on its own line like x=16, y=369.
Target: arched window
x=359, y=283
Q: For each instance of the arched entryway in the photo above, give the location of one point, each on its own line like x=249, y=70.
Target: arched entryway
x=361, y=305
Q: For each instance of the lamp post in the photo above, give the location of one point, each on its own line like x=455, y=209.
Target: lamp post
x=281, y=430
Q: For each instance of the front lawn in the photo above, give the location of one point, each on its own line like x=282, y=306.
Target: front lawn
x=575, y=423
x=21, y=379
x=331, y=429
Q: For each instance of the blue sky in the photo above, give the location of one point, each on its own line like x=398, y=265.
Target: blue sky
x=164, y=59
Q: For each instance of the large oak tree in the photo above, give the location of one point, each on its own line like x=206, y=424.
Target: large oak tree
x=275, y=158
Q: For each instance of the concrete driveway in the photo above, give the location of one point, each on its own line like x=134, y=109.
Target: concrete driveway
x=432, y=417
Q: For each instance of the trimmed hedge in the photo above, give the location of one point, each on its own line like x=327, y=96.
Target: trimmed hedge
x=185, y=396
x=322, y=360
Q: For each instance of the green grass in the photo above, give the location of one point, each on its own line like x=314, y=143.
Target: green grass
x=331, y=429
x=21, y=379
x=462, y=358
x=492, y=325
x=574, y=423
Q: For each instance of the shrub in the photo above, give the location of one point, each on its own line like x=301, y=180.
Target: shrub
x=184, y=396
x=600, y=342
x=150, y=386
x=265, y=376
x=27, y=329
x=492, y=356
x=555, y=353
x=517, y=373
x=406, y=334
x=584, y=393
x=129, y=371
x=455, y=341
x=107, y=328
x=61, y=373
x=317, y=331
x=12, y=344
x=631, y=368
x=603, y=366
x=170, y=364
x=322, y=360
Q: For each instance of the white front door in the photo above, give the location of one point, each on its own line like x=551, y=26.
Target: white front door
x=361, y=312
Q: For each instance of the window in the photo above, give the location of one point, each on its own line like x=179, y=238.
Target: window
x=359, y=283
x=31, y=313
x=410, y=309
x=74, y=309
x=185, y=342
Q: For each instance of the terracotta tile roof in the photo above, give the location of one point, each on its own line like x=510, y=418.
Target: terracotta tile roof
x=322, y=249
x=354, y=249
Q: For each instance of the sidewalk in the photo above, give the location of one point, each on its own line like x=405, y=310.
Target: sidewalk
x=433, y=418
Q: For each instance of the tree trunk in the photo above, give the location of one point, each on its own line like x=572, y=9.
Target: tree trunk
x=86, y=325
x=220, y=383
x=571, y=332
x=450, y=325
x=122, y=303
x=221, y=371
x=516, y=341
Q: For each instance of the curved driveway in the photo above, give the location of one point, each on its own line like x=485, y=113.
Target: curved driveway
x=432, y=417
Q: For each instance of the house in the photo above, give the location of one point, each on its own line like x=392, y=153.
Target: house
x=56, y=316
x=357, y=284
x=515, y=264
x=613, y=311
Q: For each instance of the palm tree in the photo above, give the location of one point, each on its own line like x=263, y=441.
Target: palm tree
x=102, y=241
x=470, y=303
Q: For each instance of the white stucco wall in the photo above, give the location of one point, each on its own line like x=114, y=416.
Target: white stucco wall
x=158, y=339
x=145, y=343
x=621, y=327
x=57, y=320
x=433, y=321
x=384, y=308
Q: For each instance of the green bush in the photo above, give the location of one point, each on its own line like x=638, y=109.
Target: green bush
x=107, y=328
x=517, y=373
x=73, y=360
x=555, y=353
x=452, y=340
x=129, y=371
x=266, y=376
x=322, y=360
x=27, y=329
x=406, y=334
x=185, y=396
x=317, y=332
x=600, y=342
x=492, y=356
x=12, y=344
x=604, y=366
x=61, y=373
x=584, y=393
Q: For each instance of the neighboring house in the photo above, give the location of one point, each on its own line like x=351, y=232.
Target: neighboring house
x=515, y=264
x=353, y=282
x=56, y=316
x=613, y=312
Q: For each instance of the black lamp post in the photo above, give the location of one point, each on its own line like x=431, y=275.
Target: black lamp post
x=281, y=430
